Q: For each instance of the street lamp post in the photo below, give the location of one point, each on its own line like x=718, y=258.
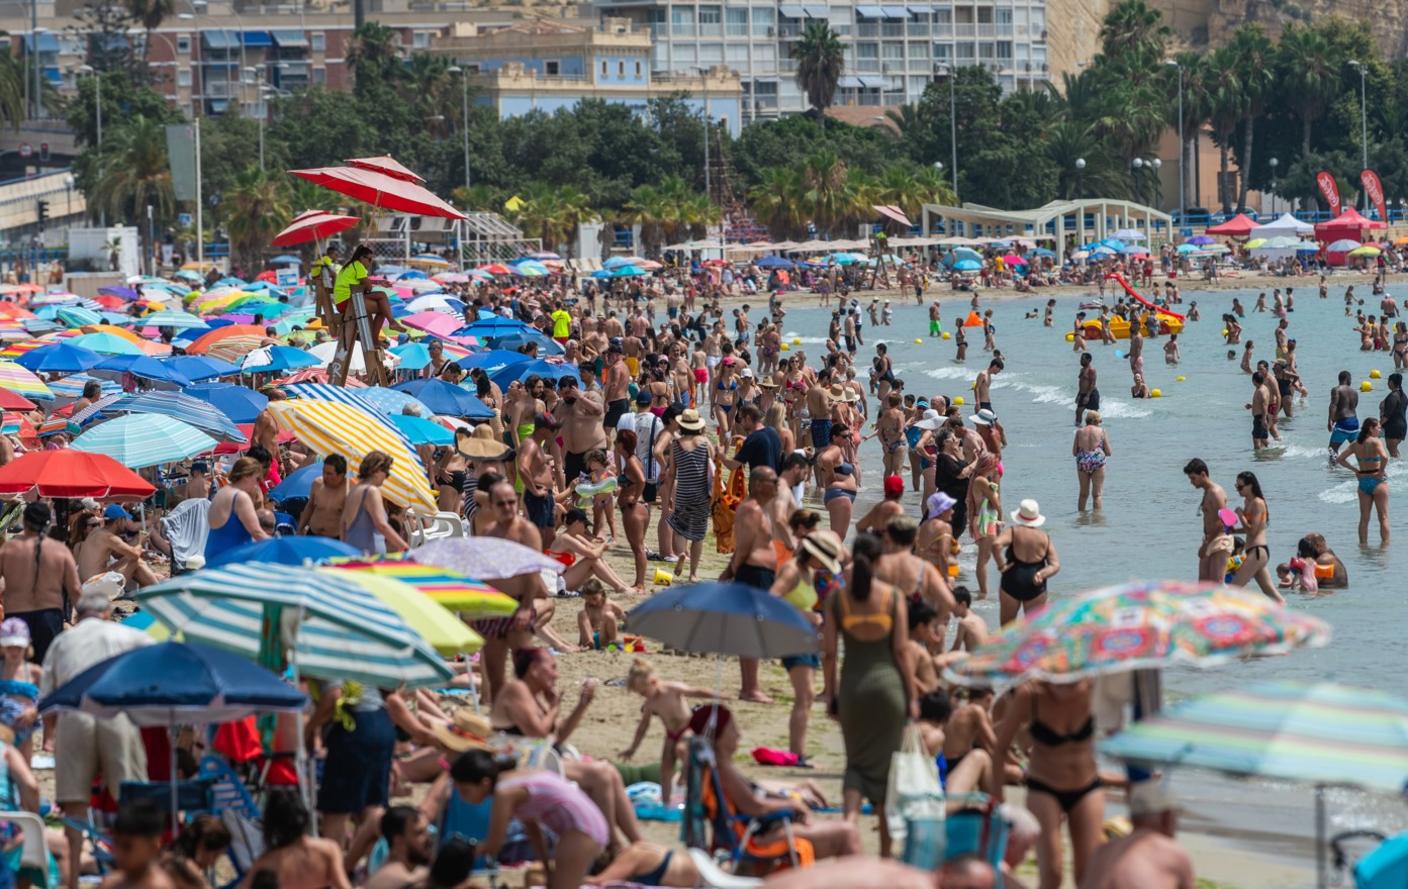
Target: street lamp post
x=1273, y=163
x=34, y=31
x=1363, y=116
x=464, y=120
x=1182, y=146
x=948, y=71
x=1080, y=178
x=87, y=70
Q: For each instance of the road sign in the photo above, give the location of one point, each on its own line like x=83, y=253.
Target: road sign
x=26, y=149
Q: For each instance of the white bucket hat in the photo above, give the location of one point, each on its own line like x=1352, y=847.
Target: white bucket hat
x=1028, y=513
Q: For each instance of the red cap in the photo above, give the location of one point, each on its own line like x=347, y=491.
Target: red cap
x=894, y=486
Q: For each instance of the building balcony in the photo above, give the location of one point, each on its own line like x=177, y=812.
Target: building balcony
x=867, y=29
x=867, y=66
x=892, y=29
x=964, y=29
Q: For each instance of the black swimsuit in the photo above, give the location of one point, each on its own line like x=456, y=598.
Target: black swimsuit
x=1047, y=736
x=1019, y=580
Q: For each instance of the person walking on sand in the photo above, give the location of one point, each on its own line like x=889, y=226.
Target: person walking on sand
x=1091, y=448
x=1212, y=563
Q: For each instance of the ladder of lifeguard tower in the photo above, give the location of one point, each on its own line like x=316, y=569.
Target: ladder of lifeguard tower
x=356, y=332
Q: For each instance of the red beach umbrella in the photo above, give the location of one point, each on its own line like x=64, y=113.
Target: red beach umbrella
x=385, y=164
x=312, y=225
x=380, y=190
x=70, y=473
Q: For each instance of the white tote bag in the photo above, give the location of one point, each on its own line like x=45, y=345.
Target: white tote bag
x=914, y=791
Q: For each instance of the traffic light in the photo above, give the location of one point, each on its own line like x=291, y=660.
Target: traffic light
x=43, y=213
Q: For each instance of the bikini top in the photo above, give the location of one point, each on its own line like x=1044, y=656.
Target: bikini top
x=1046, y=735
x=881, y=619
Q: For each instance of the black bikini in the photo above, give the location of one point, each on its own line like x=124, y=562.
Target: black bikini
x=1019, y=580
x=1047, y=736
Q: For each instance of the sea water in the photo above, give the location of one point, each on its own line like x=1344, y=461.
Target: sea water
x=1150, y=527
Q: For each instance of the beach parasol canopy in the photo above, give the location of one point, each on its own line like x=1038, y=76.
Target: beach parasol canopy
x=386, y=164
x=72, y=473
x=332, y=628
x=1137, y=625
x=484, y=558
x=313, y=225
x=59, y=358
x=724, y=618
x=175, y=319
x=380, y=190
x=421, y=431
x=144, y=366
x=436, y=625
x=238, y=403
x=471, y=599
x=1344, y=245
x=107, y=343
x=493, y=360
x=446, y=398
x=276, y=359
x=285, y=551
x=137, y=441
x=331, y=428
x=547, y=370
x=188, y=409
x=21, y=382
x=1238, y=226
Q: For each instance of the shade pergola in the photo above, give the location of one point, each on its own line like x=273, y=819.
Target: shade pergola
x=1239, y=226
x=1056, y=219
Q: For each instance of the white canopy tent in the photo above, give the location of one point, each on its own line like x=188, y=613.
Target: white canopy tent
x=1284, y=226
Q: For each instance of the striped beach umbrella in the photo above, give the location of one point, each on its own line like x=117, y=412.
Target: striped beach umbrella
x=175, y=319
x=70, y=388
x=487, y=558
x=20, y=381
x=107, y=343
x=230, y=342
x=329, y=626
x=189, y=410
x=472, y=599
x=392, y=402
x=330, y=428
x=137, y=441
x=431, y=620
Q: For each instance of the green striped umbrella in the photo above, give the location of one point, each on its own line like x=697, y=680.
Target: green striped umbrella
x=331, y=626
x=1322, y=734
x=138, y=440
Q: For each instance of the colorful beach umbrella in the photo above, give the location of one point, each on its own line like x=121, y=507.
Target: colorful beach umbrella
x=72, y=473
x=486, y=558
x=470, y=598
x=436, y=625
x=238, y=403
x=230, y=342
x=329, y=428
x=1136, y=625
x=446, y=398
x=380, y=190
x=137, y=441
x=331, y=626
x=188, y=409
x=22, y=382
x=107, y=343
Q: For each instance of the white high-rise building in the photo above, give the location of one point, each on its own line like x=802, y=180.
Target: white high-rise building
x=892, y=51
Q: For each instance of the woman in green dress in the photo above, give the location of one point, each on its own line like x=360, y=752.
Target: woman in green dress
x=875, y=695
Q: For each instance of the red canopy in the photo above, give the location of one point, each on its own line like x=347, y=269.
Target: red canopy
x=380, y=190
x=1348, y=224
x=69, y=473
x=11, y=401
x=385, y=164
x=311, y=225
x=1239, y=226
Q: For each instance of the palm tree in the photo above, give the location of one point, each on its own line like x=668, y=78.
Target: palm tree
x=1310, y=75
x=1253, y=54
x=1134, y=32
x=820, y=60
x=255, y=208
x=552, y=213
x=150, y=13
x=135, y=171
x=907, y=186
x=478, y=197
x=1225, y=104
x=830, y=197
x=776, y=201
x=12, y=79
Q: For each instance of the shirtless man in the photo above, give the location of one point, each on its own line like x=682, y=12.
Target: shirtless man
x=1261, y=435
x=971, y=630
x=1211, y=565
x=936, y=324
x=297, y=860
x=890, y=429
x=1343, y=423
x=580, y=413
x=410, y=846
x=795, y=469
x=266, y=428
x=1148, y=858
x=618, y=379
x=105, y=550
x=535, y=469
x=982, y=386
x=1087, y=395
x=137, y=849
x=908, y=573
x=323, y=514
x=502, y=634
x=754, y=560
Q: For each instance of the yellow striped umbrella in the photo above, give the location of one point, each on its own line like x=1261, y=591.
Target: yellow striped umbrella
x=332, y=428
x=437, y=626
x=471, y=598
x=21, y=381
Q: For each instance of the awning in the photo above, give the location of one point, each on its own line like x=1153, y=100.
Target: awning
x=220, y=38
x=47, y=42
x=257, y=38
x=816, y=12
x=849, y=82
x=870, y=12
x=922, y=9
x=292, y=39
x=896, y=12
x=792, y=12
x=871, y=82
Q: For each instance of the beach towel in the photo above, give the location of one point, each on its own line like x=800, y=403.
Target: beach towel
x=727, y=496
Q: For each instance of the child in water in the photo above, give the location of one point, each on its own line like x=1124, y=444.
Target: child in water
x=667, y=701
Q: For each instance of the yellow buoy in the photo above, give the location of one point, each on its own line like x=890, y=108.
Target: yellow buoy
x=919, y=342
x=1374, y=374
x=958, y=400
x=1070, y=337
x=1180, y=378
x=784, y=347
x=1366, y=386
x=1224, y=331
x=946, y=336
x=1156, y=393
x=796, y=341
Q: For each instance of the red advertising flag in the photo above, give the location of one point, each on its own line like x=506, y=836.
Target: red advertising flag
x=1329, y=191
x=1374, y=189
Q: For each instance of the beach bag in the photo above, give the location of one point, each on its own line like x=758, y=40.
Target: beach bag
x=914, y=792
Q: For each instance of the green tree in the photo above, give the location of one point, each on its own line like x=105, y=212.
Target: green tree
x=1309, y=75
x=135, y=172
x=254, y=209
x=124, y=98
x=777, y=201
x=552, y=214
x=149, y=14
x=820, y=60
x=12, y=91
x=1253, y=56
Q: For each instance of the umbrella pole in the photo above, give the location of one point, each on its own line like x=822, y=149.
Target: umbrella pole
x=171, y=743
x=1321, y=879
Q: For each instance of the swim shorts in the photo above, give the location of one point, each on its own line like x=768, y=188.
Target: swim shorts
x=1346, y=430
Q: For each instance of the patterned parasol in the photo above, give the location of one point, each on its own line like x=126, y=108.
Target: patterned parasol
x=1137, y=625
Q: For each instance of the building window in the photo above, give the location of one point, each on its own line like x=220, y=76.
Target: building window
x=183, y=76
x=764, y=21
x=552, y=69
x=318, y=41
x=637, y=69
x=711, y=53
x=710, y=21
x=736, y=54
x=603, y=67
x=737, y=22
x=420, y=40
x=620, y=69
x=183, y=45
x=320, y=76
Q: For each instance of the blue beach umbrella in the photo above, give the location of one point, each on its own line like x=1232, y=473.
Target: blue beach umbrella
x=274, y=359
x=774, y=262
x=297, y=484
x=240, y=404
x=967, y=265
x=200, y=367
x=493, y=361
x=144, y=366
x=285, y=551
x=724, y=618
x=186, y=408
x=545, y=343
x=138, y=441
x=59, y=358
x=77, y=316
x=489, y=328
x=414, y=356
x=447, y=398
x=422, y=431
x=392, y=402
x=547, y=370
